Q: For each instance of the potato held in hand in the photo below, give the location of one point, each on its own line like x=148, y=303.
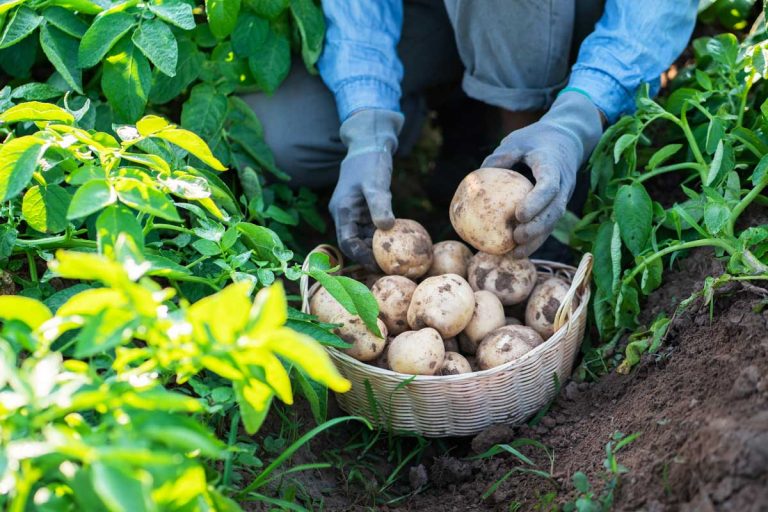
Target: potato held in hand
x=543, y=304
x=450, y=257
x=404, y=250
x=366, y=346
x=393, y=294
x=506, y=344
x=416, y=352
x=444, y=303
x=483, y=209
x=510, y=279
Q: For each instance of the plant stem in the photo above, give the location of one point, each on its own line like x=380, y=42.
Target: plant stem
x=683, y=124
x=171, y=227
x=32, y=267
x=233, y=426
x=745, y=201
x=54, y=242
x=743, y=102
x=707, y=242
x=670, y=168
x=198, y=260
x=196, y=279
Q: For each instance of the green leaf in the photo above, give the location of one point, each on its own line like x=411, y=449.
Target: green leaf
x=311, y=23
x=354, y=296
x=30, y=311
x=662, y=155
x=157, y=43
x=144, y=198
x=178, y=431
x=102, y=35
x=193, y=144
x=253, y=416
x=761, y=171
x=615, y=257
x=121, y=489
x=206, y=247
x=190, y=62
x=36, y=111
x=250, y=33
x=126, y=80
x=321, y=335
x=316, y=394
x=113, y=221
x=715, y=165
x=175, y=12
x=91, y=197
x=715, y=133
x=622, y=144
x=651, y=278
x=23, y=22
x=44, y=208
x=204, y=112
x=83, y=6
x=66, y=21
x=34, y=91
x=269, y=9
x=716, y=216
x=18, y=162
x=262, y=241
x=627, y=307
x=61, y=50
x=703, y=80
x=272, y=63
x=222, y=16
x=601, y=249
x=634, y=215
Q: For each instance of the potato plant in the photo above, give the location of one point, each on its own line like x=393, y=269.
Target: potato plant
x=710, y=131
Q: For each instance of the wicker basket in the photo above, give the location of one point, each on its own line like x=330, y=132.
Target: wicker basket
x=465, y=404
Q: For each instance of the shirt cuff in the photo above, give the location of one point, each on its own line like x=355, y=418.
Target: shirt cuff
x=606, y=92
x=365, y=93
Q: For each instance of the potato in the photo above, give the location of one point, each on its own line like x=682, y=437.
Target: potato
x=381, y=361
x=487, y=316
x=404, y=250
x=451, y=345
x=366, y=346
x=510, y=279
x=454, y=363
x=506, y=344
x=483, y=208
x=442, y=302
x=449, y=257
x=393, y=293
x=543, y=304
x=416, y=352
x=324, y=306
x=510, y=320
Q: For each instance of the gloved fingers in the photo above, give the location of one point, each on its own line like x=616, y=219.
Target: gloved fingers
x=528, y=248
x=503, y=157
x=544, y=223
x=544, y=191
x=380, y=207
x=348, y=232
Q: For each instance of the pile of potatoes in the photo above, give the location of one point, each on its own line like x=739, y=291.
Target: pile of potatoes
x=444, y=310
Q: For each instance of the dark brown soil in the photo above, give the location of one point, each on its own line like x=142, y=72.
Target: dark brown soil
x=700, y=404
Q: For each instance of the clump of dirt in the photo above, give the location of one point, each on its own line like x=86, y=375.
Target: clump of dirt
x=701, y=406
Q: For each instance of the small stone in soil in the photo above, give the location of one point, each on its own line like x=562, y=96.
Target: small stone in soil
x=418, y=477
x=495, y=434
x=746, y=382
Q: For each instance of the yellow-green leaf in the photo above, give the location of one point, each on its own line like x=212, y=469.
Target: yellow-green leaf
x=310, y=356
x=36, y=111
x=270, y=309
x=149, y=125
x=223, y=314
x=90, y=302
x=88, y=266
x=191, y=143
x=30, y=311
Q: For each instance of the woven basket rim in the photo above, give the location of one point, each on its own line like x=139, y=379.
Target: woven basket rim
x=580, y=290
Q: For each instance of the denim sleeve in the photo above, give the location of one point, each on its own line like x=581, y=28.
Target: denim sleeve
x=359, y=63
x=633, y=43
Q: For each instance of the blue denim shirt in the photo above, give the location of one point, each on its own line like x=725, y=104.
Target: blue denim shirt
x=633, y=43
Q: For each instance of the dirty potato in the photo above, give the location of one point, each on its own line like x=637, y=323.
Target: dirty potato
x=442, y=302
x=506, y=344
x=366, y=346
x=450, y=257
x=510, y=279
x=404, y=250
x=416, y=352
x=454, y=364
x=543, y=304
x=393, y=294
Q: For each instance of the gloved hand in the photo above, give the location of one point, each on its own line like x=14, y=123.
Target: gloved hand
x=362, y=201
x=554, y=148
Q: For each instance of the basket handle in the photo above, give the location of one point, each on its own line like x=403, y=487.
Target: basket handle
x=579, y=284
x=336, y=259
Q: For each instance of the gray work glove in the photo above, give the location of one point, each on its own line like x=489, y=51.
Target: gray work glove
x=554, y=148
x=362, y=201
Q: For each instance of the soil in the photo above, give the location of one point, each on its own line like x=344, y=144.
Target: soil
x=700, y=406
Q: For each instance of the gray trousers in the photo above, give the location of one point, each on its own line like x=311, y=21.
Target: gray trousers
x=514, y=54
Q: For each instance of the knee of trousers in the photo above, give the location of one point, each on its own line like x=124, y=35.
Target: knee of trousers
x=301, y=128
